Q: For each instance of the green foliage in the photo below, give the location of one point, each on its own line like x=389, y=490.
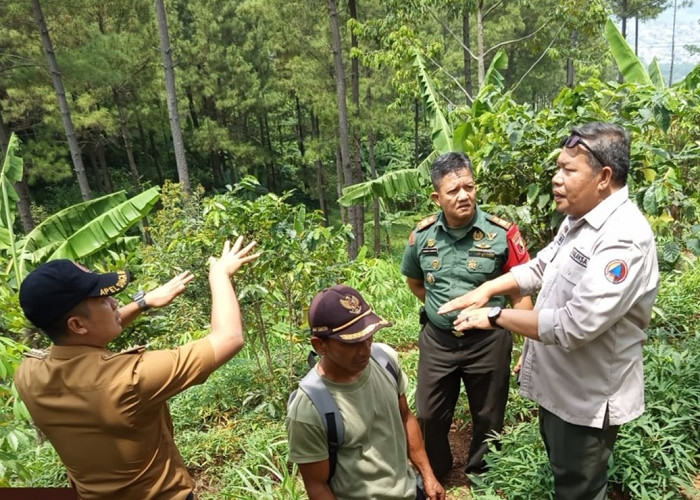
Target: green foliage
x=15, y=434
x=657, y=454
x=519, y=469
x=677, y=307
x=264, y=472
x=43, y=467
x=627, y=61
x=384, y=287
x=299, y=257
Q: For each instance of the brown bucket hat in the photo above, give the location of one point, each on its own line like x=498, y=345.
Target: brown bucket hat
x=340, y=313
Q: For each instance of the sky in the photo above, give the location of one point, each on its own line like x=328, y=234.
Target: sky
x=655, y=36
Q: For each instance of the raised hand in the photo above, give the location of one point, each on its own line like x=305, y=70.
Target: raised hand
x=232, y=258
x=165, y=294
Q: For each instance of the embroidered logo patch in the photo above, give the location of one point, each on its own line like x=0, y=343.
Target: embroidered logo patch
x=616, y=271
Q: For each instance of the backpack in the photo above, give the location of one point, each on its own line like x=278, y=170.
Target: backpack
x=321, y=398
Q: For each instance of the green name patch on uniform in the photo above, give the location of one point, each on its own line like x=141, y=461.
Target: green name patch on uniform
x=482, y=253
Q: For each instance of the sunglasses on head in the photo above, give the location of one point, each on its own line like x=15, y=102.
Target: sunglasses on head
x=575, y=140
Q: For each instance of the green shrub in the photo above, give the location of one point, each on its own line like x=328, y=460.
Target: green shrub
x=658, y=453
x=677, y=307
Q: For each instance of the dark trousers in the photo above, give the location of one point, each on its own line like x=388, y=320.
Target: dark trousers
x=578, y=456
x=480, y=360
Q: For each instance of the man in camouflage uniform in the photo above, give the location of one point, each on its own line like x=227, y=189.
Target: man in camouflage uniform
x=449, y=254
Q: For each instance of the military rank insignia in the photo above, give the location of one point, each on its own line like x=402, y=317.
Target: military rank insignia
x=430, y=278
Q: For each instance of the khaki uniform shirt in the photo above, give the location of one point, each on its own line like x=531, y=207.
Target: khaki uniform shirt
x=106, y=415
x=451, y=267
x=598, y=280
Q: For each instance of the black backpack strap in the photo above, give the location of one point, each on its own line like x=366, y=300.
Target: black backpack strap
x=321, y=398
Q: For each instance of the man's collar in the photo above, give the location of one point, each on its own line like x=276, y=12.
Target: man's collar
x=600, y=213
x=71, y=351
x=479, y=220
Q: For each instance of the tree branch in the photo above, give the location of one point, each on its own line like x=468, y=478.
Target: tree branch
x=459, y=40
x=516, y=40
x=539, y=58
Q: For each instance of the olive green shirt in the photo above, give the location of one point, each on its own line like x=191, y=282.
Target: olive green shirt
x=452, y=266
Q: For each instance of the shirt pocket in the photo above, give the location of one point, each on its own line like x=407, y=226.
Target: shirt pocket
x=573, y=273
x=480, y=262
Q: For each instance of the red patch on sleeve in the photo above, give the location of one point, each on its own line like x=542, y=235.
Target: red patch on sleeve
x=412, y=238
x=517, y=249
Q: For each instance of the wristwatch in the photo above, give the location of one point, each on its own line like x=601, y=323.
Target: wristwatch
x=140, y=298
x=493, y=315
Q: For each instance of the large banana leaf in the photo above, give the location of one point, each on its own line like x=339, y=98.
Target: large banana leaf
x=39, y=244
x=12, y=167
x=493, y=75
x=83, y=229
x=631, y=68
x=409, y=180
x=441, y=129
x=656, y=75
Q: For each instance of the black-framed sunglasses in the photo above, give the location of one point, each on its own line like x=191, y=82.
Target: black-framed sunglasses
x=574, y=140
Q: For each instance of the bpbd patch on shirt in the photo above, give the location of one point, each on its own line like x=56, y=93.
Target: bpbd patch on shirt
x=616, y=271
x=578, y=257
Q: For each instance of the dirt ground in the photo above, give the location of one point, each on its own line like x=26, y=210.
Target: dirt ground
x=457, y=484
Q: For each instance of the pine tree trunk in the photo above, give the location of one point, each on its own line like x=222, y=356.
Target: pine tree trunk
x=171, y=93
x=103, y=167
x=126, y=136
x=75, y=152
x=320, y=178
x=356, y=167
x=570, y=62
x=155, y=156
x=373, y=172
x=466, y=35
x=481, y=69
x=343, y=128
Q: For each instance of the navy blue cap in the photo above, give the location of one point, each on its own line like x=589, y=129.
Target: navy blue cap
x=53, y=289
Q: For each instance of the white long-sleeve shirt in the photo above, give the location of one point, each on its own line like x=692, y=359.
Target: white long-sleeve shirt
x=598, y=281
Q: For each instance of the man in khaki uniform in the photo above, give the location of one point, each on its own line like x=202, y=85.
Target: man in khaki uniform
x=106, y=413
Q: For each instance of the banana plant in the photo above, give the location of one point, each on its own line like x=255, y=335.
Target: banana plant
x=631, y=68
x=85, y=229
x=12, y=167
x=408, y=180
x=444, y=139
x=77, y=232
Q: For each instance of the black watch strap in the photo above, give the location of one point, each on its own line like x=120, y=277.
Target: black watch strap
x=493, y=316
